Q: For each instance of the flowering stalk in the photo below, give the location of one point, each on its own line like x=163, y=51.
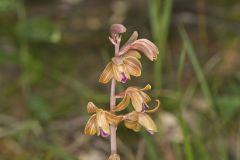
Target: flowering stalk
x=123, y=65
x=113, y=129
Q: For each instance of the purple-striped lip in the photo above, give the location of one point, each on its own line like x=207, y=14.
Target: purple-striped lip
x=143, y=107
x=123, y=78
x=103, y=134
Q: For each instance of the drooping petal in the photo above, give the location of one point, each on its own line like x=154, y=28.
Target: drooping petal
x=113, y=119
x=147, y=87
x=91, y=126
x=122, y=105
x=132, y=116
x=132, y=53
x=133, y=66
x=146, y=47
x=125, y=71
x=145, y=97
x=91, y=107
x=137, y=100
x=155, y=108
x=107, y=74
x=117, y=72
x=132, y=38
x=150, y=44
x=134, y=125
x=102, y=122
x=146, y=121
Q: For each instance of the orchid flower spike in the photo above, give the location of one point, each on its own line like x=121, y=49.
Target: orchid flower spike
x=99, y=122
x=137, y=96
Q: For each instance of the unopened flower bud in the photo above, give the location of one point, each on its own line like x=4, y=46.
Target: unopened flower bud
x=117, y=29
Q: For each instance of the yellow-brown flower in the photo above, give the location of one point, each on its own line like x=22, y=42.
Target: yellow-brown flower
x=134, y=120
x=137, y=96
x=126, y=62
x=99, y=122
x=121, y=67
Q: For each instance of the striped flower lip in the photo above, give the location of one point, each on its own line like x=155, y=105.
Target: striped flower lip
x=143, y=107
x=137, y=96
x=122, y=67
x=123, y=78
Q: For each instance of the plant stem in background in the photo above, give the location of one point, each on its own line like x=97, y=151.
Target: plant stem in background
x=160, y=14
x=25, y=58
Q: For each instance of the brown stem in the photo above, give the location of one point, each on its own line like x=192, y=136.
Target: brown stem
x=113, y=129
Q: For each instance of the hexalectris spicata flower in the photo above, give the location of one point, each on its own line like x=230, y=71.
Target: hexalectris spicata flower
x=134, y=120
x=126, y=62
x=121, y=67
x=99, y=122
x=138, y=98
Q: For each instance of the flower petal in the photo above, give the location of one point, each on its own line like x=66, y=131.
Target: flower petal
x=132, y=125
x=91, y=107
x=132, y=116
x=133, y=53
x=122, y=105
x=107, y=74
x=91, y=126
x=132, y=38
x=117, y=72
x=113, y=119
x=145, y=97
x=133, y=66
x=146, y=121
x=102, y=122
x=155, y=108
x=137, y=100
x=147, y=87
x=146, y=47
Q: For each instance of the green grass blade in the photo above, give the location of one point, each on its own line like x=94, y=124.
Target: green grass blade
x=186, y=140
x=196, y=66
x=160, y=19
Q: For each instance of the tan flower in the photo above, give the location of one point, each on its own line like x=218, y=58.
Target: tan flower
x=134, y=120
x=138, y=97
x=99, y=122
x=126, y=62
x=121, y=67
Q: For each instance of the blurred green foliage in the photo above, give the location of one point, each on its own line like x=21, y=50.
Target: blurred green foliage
x=49, y=63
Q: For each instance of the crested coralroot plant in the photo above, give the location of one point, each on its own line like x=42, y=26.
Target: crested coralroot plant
x=122, y=66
